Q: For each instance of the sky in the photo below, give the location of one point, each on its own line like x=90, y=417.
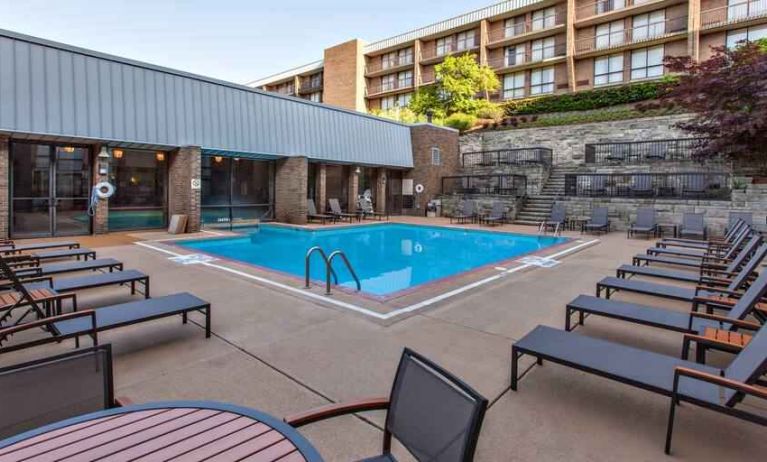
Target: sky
x=234, y=40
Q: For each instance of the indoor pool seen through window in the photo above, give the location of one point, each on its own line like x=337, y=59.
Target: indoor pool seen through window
x=388, y=258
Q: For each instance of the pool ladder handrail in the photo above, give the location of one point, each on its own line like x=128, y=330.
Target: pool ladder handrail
x=328, y=268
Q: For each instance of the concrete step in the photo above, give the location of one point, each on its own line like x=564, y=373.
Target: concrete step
x=526, y=223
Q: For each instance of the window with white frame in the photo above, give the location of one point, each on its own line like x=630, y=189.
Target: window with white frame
x=739, y=9
x=648, y=25
x=436, y=156
x=389, y=60
x=603, y=6
x=514, y=55
x=405, y=56
x=390, y=102
x=608, y=69
x=316, y=97
x=514, y=26
x=405, y=79
x=543, y=49
x=514, y=85
x=403, y=100
x=542, y=81
x=647, y=63
x=609, y=34
x=465, y=40
x=545, y=18
x=443, y=46
x=388, y=82
x=750, y=34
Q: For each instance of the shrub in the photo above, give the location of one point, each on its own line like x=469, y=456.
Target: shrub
x=490, y=111
x=460, y=121
x=589, y=99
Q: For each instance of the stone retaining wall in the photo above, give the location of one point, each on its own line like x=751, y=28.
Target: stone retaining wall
x=484, y=204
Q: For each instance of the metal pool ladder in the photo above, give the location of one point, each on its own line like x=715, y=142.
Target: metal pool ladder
x=328, y=267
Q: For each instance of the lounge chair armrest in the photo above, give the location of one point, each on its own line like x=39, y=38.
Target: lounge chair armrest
x=724, y=319
x=720, y=290
x=753, y=390
x=122, y=401
x=708, y=280
x=335, y=410
x=5, y=332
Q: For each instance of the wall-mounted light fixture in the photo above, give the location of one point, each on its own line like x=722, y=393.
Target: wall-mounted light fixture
x=68, y=149
x=117, y=153
x=104, y=153
x=236, y=159
x=357, y=171
x=218, y=159
x=160, y=156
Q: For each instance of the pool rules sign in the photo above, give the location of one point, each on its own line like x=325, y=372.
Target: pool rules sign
x=196, y=184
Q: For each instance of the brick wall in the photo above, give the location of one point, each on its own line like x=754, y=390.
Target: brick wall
x=291, y=189
x=100, y=221
x=344, y=76
x=424, y=138
x=185, y=166
x=4, y=185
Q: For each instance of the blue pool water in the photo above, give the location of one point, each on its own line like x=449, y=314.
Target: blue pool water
x=388, y=258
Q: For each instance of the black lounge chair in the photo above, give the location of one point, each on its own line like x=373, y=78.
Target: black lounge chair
x=366, y=210
x=694, y=322
x=734, y=254
x=466, y=212
x=701, y=252
x=497, y=215
x=338, y=214
x=708, y=287
x=556, y=220
x=52, y=269
x=646, y=223
x=599, y=221
x=432, y=413
x=66, y=253
x=736, y=217
x=10, y=247
x=670, y=376
x=693, y=225
x=313, y=215
x=727, y=240
x=83, y=383
x=641, y=185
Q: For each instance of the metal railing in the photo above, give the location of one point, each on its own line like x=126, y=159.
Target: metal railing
x=600, y=7
x=636, y=34
x=449, y=48
x=740, y=11
x=530, y=56
x=499, y=157
x=383, y=87
x=638, y=152
x=379, y=63
x=501, y=185
x=309, y=85
x=714, y=186
x=502, y=31
x=328, y=260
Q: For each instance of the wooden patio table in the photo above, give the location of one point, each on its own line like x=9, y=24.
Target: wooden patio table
x=177, y=430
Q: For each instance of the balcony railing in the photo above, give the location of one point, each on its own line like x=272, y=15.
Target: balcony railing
x=602, y=6
x=378, y=64
x=659, y=185
x=636, y=34
x=497, y=158
x=384, y=87
x=501, y=185
x=449, y=48
x=502, y=31
x=310, y=86
x=639, y=152
x=530, y=56
x=740, y=11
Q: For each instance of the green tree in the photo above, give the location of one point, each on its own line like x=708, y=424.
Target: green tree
x=459, y=79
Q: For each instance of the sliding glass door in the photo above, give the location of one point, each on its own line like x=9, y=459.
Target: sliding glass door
x=140, y=199
x=236, y=190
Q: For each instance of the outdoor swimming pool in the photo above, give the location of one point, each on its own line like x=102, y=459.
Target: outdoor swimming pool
x=388, y=258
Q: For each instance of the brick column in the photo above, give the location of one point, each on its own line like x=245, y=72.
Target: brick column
x=100, y=221
x=353, y=189
x=321, y=188
x=381, y=190
x=291, y=188
x=185, y=166
x=5, y=171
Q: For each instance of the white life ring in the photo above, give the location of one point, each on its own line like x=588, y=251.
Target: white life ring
x=419, y=188
x=104, y=190
x=418, y=248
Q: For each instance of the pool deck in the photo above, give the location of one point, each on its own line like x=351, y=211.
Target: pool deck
x=281, y=352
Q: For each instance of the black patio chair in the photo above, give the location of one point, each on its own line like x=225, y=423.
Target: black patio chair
x=646, y=223
x=598, y=185
x=681, y=380
x=82, y=380
x=641, y=185
x=556, y=220
x=497, y=215
x=695, y=186
x=466, y=212
x=599, y=221
x=432, y=413
x=338, y=214
x=366, y=209
x=313, y=215
x=693, y=225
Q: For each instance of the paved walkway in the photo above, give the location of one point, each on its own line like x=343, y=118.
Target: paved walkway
x=282, y=353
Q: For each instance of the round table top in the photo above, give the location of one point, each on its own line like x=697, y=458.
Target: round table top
x=179, y=430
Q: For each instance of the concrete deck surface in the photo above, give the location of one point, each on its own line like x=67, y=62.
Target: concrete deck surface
x=282, y=353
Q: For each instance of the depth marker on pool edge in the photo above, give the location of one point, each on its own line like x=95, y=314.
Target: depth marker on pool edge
x=365, y=311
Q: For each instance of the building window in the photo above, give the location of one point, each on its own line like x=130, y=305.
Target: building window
x=436, y=156
x=609, y=34
x=443, y=46
x=751, y=34
x=514, y=26
x=316, y=97
x=514, y=85
x=315, y=81
x=235, y=190
x=388, y=82
x=543, y=49
x=543, y=19
x=405, y=79
x=603, y=6
x=403, y=100
x=542, y=81
x=608, y=69
x=406, y=56
x=465, y=40
x=647, y=63
x=515, y=55
x=389, y=60
x=390, y=102
x=739, y=9
x=648, y=25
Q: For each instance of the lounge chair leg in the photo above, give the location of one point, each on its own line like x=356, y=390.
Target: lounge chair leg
x=133, y=288
x=539, y=361
x=146, y=288
x=581, y=317
x=207, y=322
x=183, y=317
x=670, y=428
x=77, y=341
x=568, y=312
x=514, y=360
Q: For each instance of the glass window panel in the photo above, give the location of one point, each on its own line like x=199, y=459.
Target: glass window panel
x=73, y=172
x=250, y=182
x=31, y=170
x=216, y=183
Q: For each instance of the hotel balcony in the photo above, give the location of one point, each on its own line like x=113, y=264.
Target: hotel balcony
x=607, y=10
x=382, y=88
x=501, y=35
x=309, y=85
x=432, y=53
x=530, y=59
x=378, y=65
x=743, y=11
x=645, y=35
